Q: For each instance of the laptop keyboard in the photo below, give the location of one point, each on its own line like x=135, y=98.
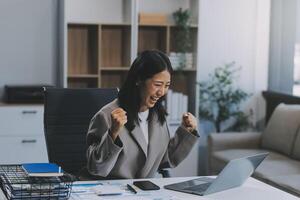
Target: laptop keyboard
x=199, y=188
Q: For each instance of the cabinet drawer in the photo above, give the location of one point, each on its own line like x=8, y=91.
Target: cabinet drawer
x=15, y=150
x=21, y=120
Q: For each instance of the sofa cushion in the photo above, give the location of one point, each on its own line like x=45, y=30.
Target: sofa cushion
x=296, y=147
x=274, y=165
x=289, y=183
x=229, y=154
x=281, y=130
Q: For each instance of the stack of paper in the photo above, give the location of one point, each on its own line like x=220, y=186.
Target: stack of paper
x=177, y=104
x=181, y=60
x=105, y=190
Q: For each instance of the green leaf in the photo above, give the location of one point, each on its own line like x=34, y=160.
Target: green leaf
x=219, y=93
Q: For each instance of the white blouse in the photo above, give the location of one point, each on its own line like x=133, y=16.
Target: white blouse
x=144, y=123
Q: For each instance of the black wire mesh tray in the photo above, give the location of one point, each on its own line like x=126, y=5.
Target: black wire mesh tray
x=16, y=184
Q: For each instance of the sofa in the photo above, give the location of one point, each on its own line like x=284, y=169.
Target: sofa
x=281, y=138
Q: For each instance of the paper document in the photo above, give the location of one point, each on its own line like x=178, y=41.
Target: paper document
x=115, y=190
x=105, y=190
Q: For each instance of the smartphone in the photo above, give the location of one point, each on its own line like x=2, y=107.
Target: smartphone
x=146, y=185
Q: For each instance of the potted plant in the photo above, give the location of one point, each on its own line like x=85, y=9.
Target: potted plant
x=220, y=100
x=182, y=39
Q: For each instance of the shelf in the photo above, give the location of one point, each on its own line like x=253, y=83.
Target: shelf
x=116, y=24
x=82, y=23
x=83, y=76
x=99, y=55
x=152, y=37
x=115, y=45
x=154, y=25
x=82, y=82
x=185, y=70
x=82, y=49
x=100, y=44
x=97, y=23
x=127, y=69
x=112, y=79
x=191, y=25
x=166, y=25
x=115, y=69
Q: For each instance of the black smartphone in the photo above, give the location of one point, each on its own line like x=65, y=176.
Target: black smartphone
x=146, y=185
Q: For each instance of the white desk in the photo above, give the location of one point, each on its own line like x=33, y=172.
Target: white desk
x=252, y=189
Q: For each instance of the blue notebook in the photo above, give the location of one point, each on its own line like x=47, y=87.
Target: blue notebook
x=42, y=169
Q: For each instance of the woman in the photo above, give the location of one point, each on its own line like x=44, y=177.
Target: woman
x=129, y=137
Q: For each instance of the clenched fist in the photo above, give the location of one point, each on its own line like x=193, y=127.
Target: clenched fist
x=189, y=122
x=119, y=119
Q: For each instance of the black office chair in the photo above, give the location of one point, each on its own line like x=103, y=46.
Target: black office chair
x=67, y=115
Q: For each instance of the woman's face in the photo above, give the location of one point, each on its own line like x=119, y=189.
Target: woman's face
x=154, y=88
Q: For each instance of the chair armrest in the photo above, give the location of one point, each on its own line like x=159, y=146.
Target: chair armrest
x=231, y=140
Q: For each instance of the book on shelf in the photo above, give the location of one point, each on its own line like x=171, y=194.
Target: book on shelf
x=177, y=104
x=42, y=169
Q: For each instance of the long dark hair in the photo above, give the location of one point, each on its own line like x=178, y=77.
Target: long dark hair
x=145, y=66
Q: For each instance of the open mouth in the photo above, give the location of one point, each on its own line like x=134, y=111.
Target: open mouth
x=154, y=99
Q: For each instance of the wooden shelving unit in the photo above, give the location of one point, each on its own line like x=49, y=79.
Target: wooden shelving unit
x=99, y=55
x=115, y=45
x=99, y=47
x=162, y=37
x=83, y=55
x=96, y=53
x=152, y=37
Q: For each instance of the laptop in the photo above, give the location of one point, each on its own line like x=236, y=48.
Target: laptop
x=234, y=174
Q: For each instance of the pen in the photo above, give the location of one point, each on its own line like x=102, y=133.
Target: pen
x=109, y=194
x=129, y=187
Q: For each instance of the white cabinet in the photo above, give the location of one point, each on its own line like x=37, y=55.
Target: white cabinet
x=22, y=134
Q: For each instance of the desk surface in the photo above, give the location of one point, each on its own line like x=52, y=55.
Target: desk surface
x=252, y=189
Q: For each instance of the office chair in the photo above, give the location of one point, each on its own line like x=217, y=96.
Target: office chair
x=67, y=115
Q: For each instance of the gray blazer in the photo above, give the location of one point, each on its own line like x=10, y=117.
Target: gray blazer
x=132, y=158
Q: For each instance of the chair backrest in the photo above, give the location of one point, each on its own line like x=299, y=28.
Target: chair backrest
x=273, y=99
x=67, y=115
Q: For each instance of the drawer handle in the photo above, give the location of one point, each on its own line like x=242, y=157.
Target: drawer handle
x=29, y=112
x=28, y=141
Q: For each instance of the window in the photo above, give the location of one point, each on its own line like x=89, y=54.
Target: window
x=296, y=87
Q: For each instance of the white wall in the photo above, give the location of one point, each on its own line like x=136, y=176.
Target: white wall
x=234, y=30
x=28, y=42
x=97, y=11
x=298, y=23
x=119, y=11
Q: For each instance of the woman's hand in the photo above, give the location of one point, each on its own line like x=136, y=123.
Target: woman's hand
x=189, y=122
x=119, y=119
